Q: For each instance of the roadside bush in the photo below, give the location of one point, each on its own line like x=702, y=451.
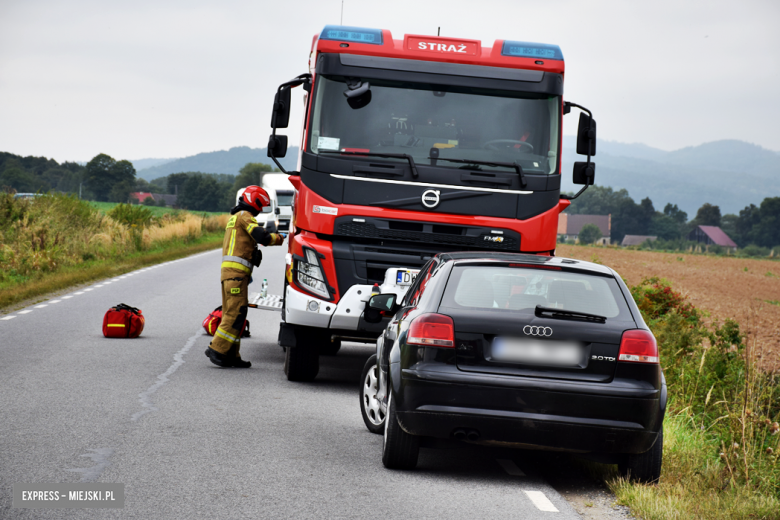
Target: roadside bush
x=43, y=234
x=129, y=215
x=721, y=433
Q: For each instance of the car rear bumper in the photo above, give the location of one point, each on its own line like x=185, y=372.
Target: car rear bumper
x=529, y=414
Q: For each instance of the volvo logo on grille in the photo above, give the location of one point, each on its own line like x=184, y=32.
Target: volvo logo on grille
x=430, y=198
x=533, y=330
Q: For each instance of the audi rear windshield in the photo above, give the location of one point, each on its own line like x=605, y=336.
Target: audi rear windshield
x=521, y=289
x=463, y=123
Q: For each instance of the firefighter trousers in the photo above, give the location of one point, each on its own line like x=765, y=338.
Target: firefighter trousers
x=235, y=300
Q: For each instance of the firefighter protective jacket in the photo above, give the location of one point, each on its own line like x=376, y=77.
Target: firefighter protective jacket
x=242, y=234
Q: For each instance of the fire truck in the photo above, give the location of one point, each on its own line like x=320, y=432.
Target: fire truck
x=411, y=147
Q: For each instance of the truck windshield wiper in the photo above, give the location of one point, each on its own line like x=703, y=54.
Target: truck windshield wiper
x=516, y=166
x=561, y=314
x=389, y=155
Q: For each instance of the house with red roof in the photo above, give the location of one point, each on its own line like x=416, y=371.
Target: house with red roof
x=141, y=196
x=711, y=235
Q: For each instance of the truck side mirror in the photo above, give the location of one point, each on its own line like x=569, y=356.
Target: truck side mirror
x=376, y=304
x=277, y=146
x=382, y=302
x=280, y=117
x=586, y=135
x=584, y=173
x=278, y=211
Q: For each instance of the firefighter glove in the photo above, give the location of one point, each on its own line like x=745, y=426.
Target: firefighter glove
x=277, y=239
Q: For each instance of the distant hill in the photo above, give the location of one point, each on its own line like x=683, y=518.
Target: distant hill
x=731, y=174
x=223, y=161
x=142, y=164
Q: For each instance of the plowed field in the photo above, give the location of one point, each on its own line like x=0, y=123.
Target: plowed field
x=725, y=287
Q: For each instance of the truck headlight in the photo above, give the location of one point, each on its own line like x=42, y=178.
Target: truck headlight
x=310, y=275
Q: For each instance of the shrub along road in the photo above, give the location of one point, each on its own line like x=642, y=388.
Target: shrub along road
x=191, y=440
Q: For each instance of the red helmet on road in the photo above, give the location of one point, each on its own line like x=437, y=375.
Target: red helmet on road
x=256, y=197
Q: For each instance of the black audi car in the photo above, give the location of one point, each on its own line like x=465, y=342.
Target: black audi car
x=516, y=350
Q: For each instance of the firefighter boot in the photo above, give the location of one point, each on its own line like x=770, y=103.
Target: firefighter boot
x=224, y=361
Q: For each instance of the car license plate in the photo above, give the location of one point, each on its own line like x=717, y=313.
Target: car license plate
x=405, y=276
x=537, y=352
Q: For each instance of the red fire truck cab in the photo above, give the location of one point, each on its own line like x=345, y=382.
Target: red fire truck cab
x=409, y=148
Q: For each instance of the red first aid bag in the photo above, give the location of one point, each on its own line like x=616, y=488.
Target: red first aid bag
x=213, y=320
x=123, y=321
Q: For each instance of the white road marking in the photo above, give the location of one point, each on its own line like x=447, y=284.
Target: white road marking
x=66, y=297
x=8, y=318
x=80, y=292
x=87, y=290
x=95, y=287
x=510, y=467
x=25, y=312
x=541, y=502
x=55, y=301
x=40, y=306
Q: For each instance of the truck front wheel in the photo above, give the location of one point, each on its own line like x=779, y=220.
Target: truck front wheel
x=302, y=362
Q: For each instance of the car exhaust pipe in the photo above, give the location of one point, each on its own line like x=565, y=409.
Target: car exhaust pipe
x=459, y=434
x=472, y=435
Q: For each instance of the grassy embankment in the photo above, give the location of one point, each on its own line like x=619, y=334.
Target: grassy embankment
x=53, y=242
x=721, y=433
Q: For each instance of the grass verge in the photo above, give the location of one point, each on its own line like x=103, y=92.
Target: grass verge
x=721, y=431
x=46, y=282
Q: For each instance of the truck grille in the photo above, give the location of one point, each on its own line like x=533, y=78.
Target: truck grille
x=484, y=240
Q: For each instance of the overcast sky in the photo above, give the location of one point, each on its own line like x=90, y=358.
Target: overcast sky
x=172, y=78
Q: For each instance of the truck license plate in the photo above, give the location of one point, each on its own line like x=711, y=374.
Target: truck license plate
x=405, y=277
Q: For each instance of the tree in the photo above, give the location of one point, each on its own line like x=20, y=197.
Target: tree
x=671, y=210
x=123, y=175
x=251, y=173
x=20, y=180
x=148, y=201
x=589, y=234
x=665, y=227
x=176, y=182
x=767, y=232
x=200, y=193
x=98, y=176
x=708, y=215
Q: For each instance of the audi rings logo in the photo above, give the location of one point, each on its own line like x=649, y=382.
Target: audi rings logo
x=533, y=330
x=430, y=198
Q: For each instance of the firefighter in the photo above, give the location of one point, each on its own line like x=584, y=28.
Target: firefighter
x=239, y=255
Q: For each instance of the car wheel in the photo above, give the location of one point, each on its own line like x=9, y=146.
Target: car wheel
x=370, y=407
x=644, y=467
x=302, y=362
x=330, y=348
x=399, y=449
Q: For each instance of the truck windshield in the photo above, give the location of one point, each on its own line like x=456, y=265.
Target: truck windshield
x=455, y=122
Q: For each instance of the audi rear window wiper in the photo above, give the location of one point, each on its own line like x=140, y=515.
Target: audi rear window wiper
x=561, y=314
x=374, y=154
x=516, y=166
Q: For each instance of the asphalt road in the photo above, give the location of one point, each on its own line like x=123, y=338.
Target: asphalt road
x=191, y=440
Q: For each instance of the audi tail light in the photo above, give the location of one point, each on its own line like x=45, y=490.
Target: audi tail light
x=638, y=346
x=432, y=330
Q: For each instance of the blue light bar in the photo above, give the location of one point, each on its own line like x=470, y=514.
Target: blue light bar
x=341, y=33
x=532, y=50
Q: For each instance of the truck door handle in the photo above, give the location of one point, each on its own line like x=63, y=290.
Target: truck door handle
x=393, y=172
x=488, y=179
